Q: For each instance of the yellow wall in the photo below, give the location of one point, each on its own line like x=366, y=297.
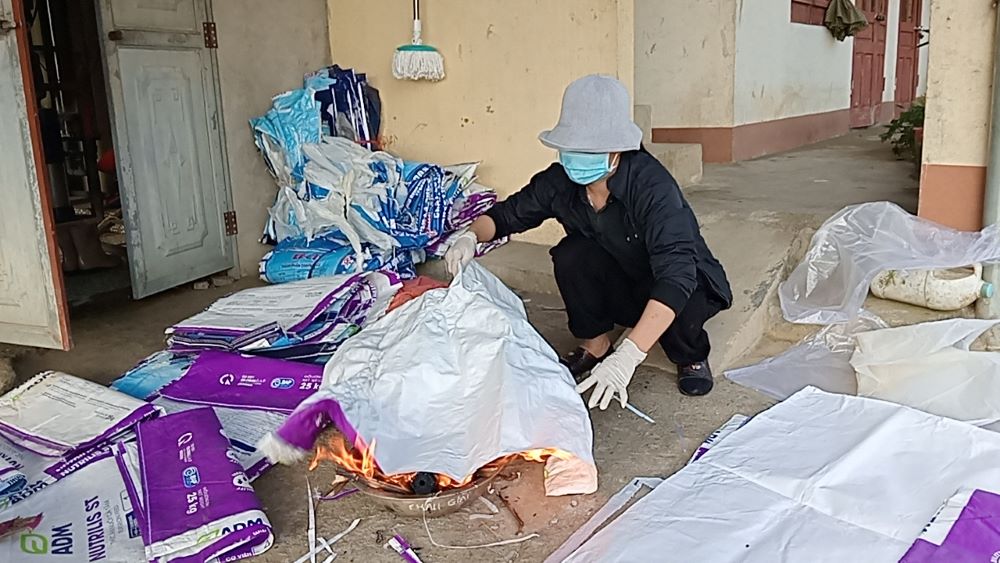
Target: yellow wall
x=507, y=64
x=959, y=82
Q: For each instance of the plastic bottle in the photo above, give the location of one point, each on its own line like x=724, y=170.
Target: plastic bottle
x=941, y=290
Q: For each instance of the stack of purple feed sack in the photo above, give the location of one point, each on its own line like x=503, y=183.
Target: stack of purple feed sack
x=304, y=321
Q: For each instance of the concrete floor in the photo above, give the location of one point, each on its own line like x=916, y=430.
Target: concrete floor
x=815, y=181
x=755, y=216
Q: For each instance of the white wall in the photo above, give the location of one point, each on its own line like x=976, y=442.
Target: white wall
x=785, y=69
x=724, y=63
x=684, y=58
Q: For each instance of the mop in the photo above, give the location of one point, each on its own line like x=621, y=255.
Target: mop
x=417, y=61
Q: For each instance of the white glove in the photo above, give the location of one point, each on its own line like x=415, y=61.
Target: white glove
x=462, y=251
x=613, y=375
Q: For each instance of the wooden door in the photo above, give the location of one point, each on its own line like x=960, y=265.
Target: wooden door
x=907, y=56
x=164, y=85
x=868, y=72
x=32, y=302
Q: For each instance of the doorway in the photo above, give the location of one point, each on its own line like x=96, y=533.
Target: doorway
x=112, y=158
x=78, y=151
x=908, y=54
x=868, y=70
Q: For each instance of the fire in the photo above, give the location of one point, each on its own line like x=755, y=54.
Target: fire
x=360, y=462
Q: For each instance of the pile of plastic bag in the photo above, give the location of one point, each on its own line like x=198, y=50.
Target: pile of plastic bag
x=349, y=106
x=305, y=320
x=343, y=206
x=90, y=473
x=927, y=366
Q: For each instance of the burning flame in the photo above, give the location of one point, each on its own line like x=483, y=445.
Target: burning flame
x=360, y=462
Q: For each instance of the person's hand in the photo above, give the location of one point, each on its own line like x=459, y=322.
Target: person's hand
x=613, y=376
x=461, y=252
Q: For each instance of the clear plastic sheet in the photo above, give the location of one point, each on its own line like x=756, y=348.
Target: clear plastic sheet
x=860, y=241
x=822, y=360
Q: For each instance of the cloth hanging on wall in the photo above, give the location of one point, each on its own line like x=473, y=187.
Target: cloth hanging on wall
x=844, y=19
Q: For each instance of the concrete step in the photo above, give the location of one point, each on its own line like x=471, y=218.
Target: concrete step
x=683, y=160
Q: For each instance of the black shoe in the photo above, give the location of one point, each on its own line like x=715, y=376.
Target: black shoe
x=580, y=362
x=695, y=380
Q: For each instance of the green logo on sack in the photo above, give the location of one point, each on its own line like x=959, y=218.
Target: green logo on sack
x=58, y=542
x=34, y=544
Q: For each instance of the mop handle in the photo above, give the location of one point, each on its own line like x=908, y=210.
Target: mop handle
x=417, y=28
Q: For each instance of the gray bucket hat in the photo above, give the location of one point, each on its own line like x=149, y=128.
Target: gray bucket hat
x=595, y=117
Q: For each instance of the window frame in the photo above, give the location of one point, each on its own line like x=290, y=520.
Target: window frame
x=809, y=12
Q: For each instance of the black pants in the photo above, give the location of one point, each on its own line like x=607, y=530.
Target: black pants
x=598, y=295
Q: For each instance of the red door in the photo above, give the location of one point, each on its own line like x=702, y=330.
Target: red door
x=907, y=55
x=868, y=73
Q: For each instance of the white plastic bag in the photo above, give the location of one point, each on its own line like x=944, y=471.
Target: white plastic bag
x=853, y=246
x=819, y=477
x=347, y=170
x=929, y=367
x=448, y=383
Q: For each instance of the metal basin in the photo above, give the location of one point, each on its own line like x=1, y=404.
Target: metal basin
x=434, y=505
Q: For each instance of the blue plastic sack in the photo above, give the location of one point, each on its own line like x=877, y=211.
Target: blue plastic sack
x=292, y=121
x=152, y=373
x=296, y=259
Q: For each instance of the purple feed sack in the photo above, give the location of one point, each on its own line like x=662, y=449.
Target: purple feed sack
x=232, y=380
x=194, y=500
x=86, y=517
x=965, y=530
x=243, y=427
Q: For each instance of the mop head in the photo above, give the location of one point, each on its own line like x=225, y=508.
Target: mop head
x=418, y=62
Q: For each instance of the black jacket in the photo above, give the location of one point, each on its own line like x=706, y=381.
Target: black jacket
x=647, y=226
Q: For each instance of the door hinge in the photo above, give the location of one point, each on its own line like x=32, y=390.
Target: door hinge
x=211, y=39
x=229, y=219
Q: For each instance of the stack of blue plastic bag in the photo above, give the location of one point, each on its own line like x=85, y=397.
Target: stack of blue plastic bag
x=343, y=207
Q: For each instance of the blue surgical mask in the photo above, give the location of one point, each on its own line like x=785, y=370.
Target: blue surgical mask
x=585, y=168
